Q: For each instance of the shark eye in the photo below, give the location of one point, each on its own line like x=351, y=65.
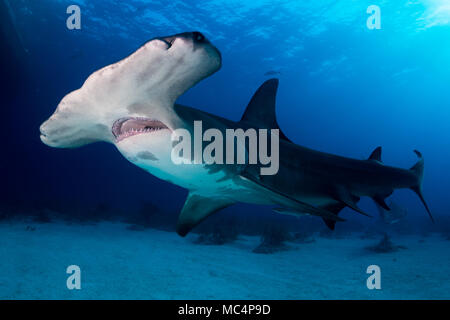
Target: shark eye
x=198, y=37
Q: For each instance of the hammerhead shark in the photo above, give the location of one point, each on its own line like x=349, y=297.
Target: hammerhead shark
x=131, y=104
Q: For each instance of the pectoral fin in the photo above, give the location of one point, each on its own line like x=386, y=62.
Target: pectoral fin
x=196, y=209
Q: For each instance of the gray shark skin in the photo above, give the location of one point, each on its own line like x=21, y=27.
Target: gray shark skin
x=131, y=104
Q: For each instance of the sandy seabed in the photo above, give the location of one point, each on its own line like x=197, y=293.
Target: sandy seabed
x=118, y=263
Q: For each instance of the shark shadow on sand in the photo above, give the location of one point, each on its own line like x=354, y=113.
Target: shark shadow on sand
x=385, y=246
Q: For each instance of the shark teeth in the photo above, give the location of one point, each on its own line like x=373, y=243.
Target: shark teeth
x=127, y=127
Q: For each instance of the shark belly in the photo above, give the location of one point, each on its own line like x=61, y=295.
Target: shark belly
x=212, y=181
x=197, y=178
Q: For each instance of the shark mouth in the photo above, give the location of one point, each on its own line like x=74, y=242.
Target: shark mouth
x=128, y=127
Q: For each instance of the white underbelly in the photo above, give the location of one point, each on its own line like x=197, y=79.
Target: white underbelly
x=199, y=179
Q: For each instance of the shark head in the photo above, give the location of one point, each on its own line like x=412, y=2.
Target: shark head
x=133, y=97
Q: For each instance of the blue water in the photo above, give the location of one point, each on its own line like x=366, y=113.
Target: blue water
x=344, y=89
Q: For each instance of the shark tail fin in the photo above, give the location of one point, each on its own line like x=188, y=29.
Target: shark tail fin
x=418, y=169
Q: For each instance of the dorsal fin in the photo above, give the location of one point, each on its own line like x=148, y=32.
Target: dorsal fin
x=261, y=109
x=376, y=154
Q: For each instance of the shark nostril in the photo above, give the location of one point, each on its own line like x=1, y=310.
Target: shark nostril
x=198, y=36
